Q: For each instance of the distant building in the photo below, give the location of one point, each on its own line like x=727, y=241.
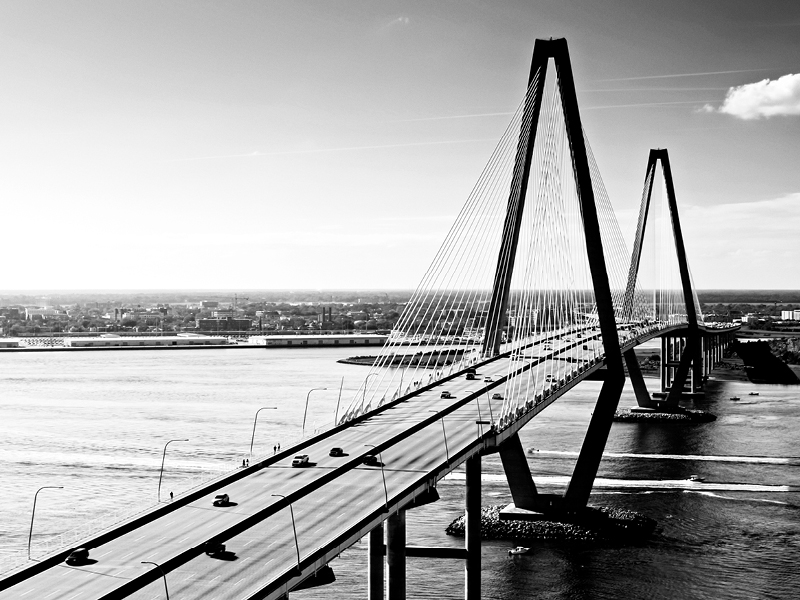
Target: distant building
x=210, y=304
x=228, y=324
x=45, y=313
x=315, y=341
x=790, y=315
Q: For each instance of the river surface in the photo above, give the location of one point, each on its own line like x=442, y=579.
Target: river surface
x=95, y=423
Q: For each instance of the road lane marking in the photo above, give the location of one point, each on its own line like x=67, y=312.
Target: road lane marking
x=248, y=543
x=103, y=554
x=183, y=540
x=53, y=592
x=140, y=537
x=26, y=593
x=238, y=582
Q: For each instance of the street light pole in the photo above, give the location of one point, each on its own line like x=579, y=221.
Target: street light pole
x=446, y=449
x=489, y=399
x=252, y=439
x=163, y=457
x=164, y=575
x=294, y=528
x=336, y=415
x=33, y=512
x=305, y=412
x=383, y=475
x=364, y=397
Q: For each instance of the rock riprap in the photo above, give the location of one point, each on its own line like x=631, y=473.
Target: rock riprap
x=594, y=524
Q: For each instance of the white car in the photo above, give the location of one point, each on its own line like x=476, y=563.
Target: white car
x=301, y=460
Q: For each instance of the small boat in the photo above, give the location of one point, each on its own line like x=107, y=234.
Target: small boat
x=753, y=394
x=734, y=398
x=696, y=478
x=519, y=550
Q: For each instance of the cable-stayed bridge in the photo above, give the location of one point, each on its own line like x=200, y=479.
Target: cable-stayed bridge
x=532, y=292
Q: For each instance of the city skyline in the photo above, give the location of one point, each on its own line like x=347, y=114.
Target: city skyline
x=330, y=146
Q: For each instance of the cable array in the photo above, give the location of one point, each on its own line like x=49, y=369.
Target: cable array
x=444, y=325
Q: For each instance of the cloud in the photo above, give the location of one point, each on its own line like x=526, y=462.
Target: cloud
x=765, y=98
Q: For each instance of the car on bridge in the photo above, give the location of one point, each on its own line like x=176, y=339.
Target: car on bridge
x=488, y=379
x=214, y=549
x=336, y=452
x=497, y=396
x=446, y=395
x=78, y=556
x=471, y=377
x=301, y=460
x=371, y=460
x=221, y=500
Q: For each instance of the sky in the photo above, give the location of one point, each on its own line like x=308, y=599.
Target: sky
x=330, y=144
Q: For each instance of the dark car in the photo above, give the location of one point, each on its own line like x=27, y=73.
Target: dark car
x=371, y=460
x=78, y=556
x=214, y=549
x=336, y=452
x=222, y=500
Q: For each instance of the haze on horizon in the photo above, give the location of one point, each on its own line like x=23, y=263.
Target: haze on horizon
x=317, y=145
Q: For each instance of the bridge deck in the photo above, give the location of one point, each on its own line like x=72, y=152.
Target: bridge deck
x=335, y=500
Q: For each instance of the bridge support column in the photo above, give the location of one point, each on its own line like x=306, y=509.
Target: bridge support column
x=396, y=556
x=518, y=474
x=472, y=520
x=643, y=398
x=375, y=564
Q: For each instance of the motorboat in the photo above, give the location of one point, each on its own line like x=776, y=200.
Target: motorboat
x=734, y=398
x=696, y=478
x=519, y=550
x=753, y=394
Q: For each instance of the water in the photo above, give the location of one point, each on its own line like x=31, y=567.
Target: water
x=96, y=424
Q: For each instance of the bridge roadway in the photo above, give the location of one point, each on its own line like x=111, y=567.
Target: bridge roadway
x=336, y=501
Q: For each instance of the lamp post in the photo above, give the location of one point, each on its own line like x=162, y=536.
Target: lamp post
x=383, y=475
x=489, y=398
x=163, y=457
x=294, y=528
x=446, y=450
x=164, y=575
x=33, y=512
x=364, y=397
x=305, y=412
x=336, y=414
x=252, y=439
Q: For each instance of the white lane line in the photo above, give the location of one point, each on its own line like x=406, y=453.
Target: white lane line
x=189, y=576
x=128, y=554
x=103, y=554
x=74, y=596
x=238, y=582
x=246, y=558
x=140, y=537
x=269, y=561
x=53, y=592
x=26, y=593
x=248, y=543
x=215, y=578
x=183, y=540
x=272, y=544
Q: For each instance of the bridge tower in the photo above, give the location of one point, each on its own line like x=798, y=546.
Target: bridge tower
x=512, y=454
x=682, y=356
